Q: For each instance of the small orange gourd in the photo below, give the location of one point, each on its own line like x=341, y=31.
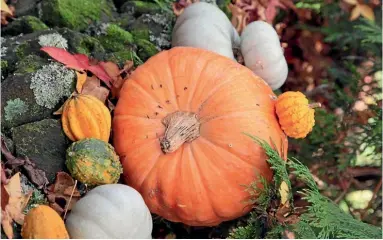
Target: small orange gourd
x=85, y=116
x=296, y=115
x=44, y=223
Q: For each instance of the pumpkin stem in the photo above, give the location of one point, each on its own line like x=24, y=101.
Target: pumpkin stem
x=315, y=105
x=180, y=127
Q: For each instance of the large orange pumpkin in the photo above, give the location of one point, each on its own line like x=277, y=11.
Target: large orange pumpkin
x=179, y=129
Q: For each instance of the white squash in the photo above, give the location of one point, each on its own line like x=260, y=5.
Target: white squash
x=263, y=54
x=110, y=211
x=204, y=25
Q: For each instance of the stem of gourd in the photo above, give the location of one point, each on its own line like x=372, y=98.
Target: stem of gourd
x=314, y=105
x=180, y=127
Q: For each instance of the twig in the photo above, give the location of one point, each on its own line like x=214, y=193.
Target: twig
x=376, y=190
x=71, y=195
x=364, y=171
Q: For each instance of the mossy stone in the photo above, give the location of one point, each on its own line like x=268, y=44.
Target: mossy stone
x=30, y=64
x=143, y=33
x=44, y=142
x=25, y=24
x=82, y=43
x=116, y=39
x=74, y=14
x=137, y=8
x=120, y=57
x=146, y=49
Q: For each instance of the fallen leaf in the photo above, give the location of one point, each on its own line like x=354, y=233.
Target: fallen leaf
x=35, y=175
x=93, y=87
x=4, y=197
x=352, y=2
x=78, y=62
x=16, y=204
x=271, y=10
x=115, y=74
x=284, y=192
x=355, y=13
x=81, y=78
x=367, y=12
x=4, y=7
x=59, y=193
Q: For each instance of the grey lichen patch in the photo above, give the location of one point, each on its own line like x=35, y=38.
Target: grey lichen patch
x=51, y=83
x=14, y=109
x=53, y=40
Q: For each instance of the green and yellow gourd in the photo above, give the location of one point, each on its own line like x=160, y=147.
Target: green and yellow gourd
x=93, y=162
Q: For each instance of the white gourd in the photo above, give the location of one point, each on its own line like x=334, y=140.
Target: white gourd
x=263, y=54
x=110, y=211
x=204, y=25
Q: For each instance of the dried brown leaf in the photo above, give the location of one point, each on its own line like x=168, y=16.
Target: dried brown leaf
x=60, y=192
x=4, y=7
x=81, y=78
x=16, y=204
x=92, y=86
x=367, y=12
x=355, y=13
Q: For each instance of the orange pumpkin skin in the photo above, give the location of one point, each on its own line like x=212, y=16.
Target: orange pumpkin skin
x=200, y=183
x=295, y=114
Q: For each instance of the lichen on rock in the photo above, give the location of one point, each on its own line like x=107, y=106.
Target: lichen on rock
x=53, y=40
x=14, y=109
x=51, y=83
x=3, y=48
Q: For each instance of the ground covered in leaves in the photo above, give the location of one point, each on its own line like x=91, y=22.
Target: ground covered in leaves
x=333, y=49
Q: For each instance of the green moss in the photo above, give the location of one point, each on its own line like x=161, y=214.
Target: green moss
x=4, y=65
x=116, y=39
x=75, y=14
x=142, y=33
x=146, y=49
x=121, y=57
x=141, y=7
x=29, y=64
x=89, y=45
x=35, y=24
x=224, y=6
x=21, y=50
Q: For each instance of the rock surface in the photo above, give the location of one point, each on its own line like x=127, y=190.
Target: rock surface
x=44, y=142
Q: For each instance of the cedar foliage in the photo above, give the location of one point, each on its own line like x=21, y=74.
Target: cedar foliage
x=322, y=218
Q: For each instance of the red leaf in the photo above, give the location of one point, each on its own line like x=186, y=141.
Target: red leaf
x=64, y=57
x=78, y=62
x=82, y=59
x=100, y=73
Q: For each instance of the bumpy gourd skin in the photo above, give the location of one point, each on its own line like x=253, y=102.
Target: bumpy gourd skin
x=296, y=117
x=43, y=222
x=94, y=162
x=84, y=116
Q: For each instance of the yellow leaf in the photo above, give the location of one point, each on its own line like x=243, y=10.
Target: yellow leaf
x=355, y=13
x=367, y=12
x=352, y=2
x=4, y=7
x=284, y=192
x=81, y=78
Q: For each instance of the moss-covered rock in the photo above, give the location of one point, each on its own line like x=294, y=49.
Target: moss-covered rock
x=115, y=38
x=82, y=43
x=146, y=49
x=26, y=24
x=137, y=8
x=74, y=14
x=36, y=88
x=30, y=64
x=158, y=25
x=44, y=142
x=143, y=33
x=120, y=57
